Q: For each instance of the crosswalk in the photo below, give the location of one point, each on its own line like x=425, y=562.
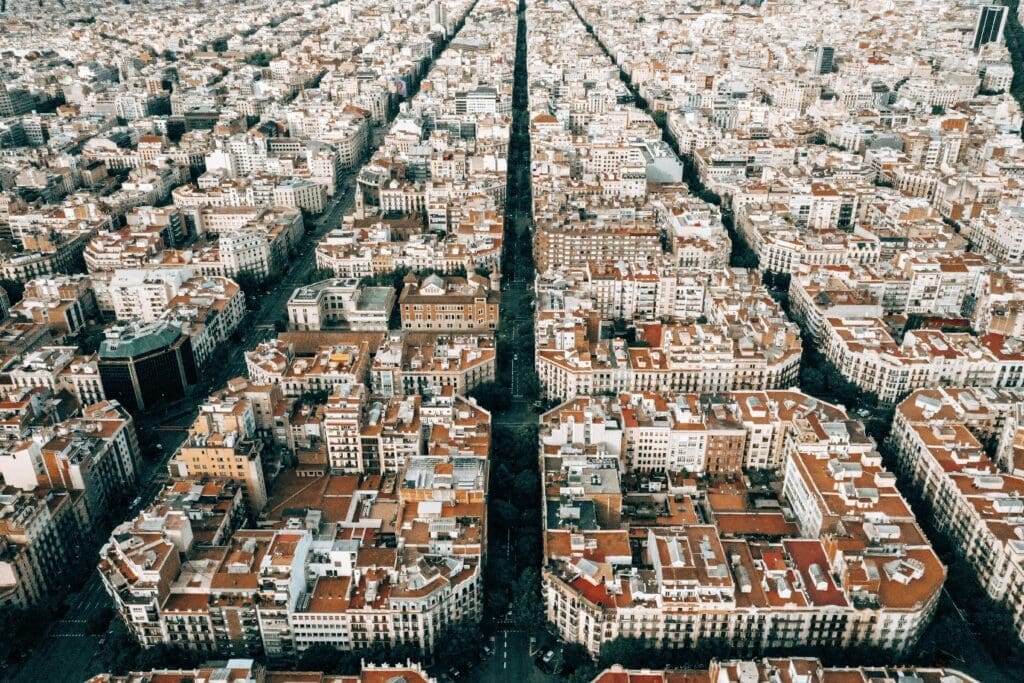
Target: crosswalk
x=69, y=628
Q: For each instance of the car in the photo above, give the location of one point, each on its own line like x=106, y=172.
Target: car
x=136, y=501
x=487, y=650
x=548, y=656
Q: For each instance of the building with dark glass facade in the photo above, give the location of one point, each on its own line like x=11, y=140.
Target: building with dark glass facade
x=143, y=365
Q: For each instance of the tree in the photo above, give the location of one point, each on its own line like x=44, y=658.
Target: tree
x=496, y=599
x=20, y=630
x=501, y=477
x=394, y=279
x=15, y=290
x=528, y=549
x=318, y=275
x=249, y=282
x=99, y=622
x=89, y=340
x=631, y=653
x=261, y=58
x=504, y=514
x=502, y=576
x=314, y=398
x=323, y=657
x=576, y=657
x=529, y=385
x=457, y=645
x=166, y=655
x=527, y=607
x=526, y=487
x=584, y=674
x=492, y=396
x=121, y=654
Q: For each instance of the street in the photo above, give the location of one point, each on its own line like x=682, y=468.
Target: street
x=510, y=661
x=260, y=326
x=68, y=653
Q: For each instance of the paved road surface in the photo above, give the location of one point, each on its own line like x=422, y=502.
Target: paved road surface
x=68, y=654
x=509, y=662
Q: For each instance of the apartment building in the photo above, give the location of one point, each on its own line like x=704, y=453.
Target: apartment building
x=332, y=573
x=794, y=669
x=242, y=670
x=439, y=303
x=864, y=351
x=999, y=303
x=998, y=234
x=572, y=358
x=38, y=532
x=64, y=303
x=272, y=412
x=56, y=368
x=141, y=562
x=431, y=364
x=722, y=562
x=339, y=303
x=330, y=366
x=568, y=240
x=144, y=293
x=97, y=453
x=129, y=247
x=784, y=246
x=222, y=442
x=940, y=441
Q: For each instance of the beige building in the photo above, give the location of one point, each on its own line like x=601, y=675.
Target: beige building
x=340, y=304
x=864, y=351
x=573, y=359
x=222, y=443
x=428, y=364
x=939, y=439
x=65, y=303
x=330, y=366
x=240, y=670
x=721, y=562
x=450, y=304
x=789, y=669
x=37, y=536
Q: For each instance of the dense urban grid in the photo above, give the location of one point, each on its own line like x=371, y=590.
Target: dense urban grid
x=511, y=340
